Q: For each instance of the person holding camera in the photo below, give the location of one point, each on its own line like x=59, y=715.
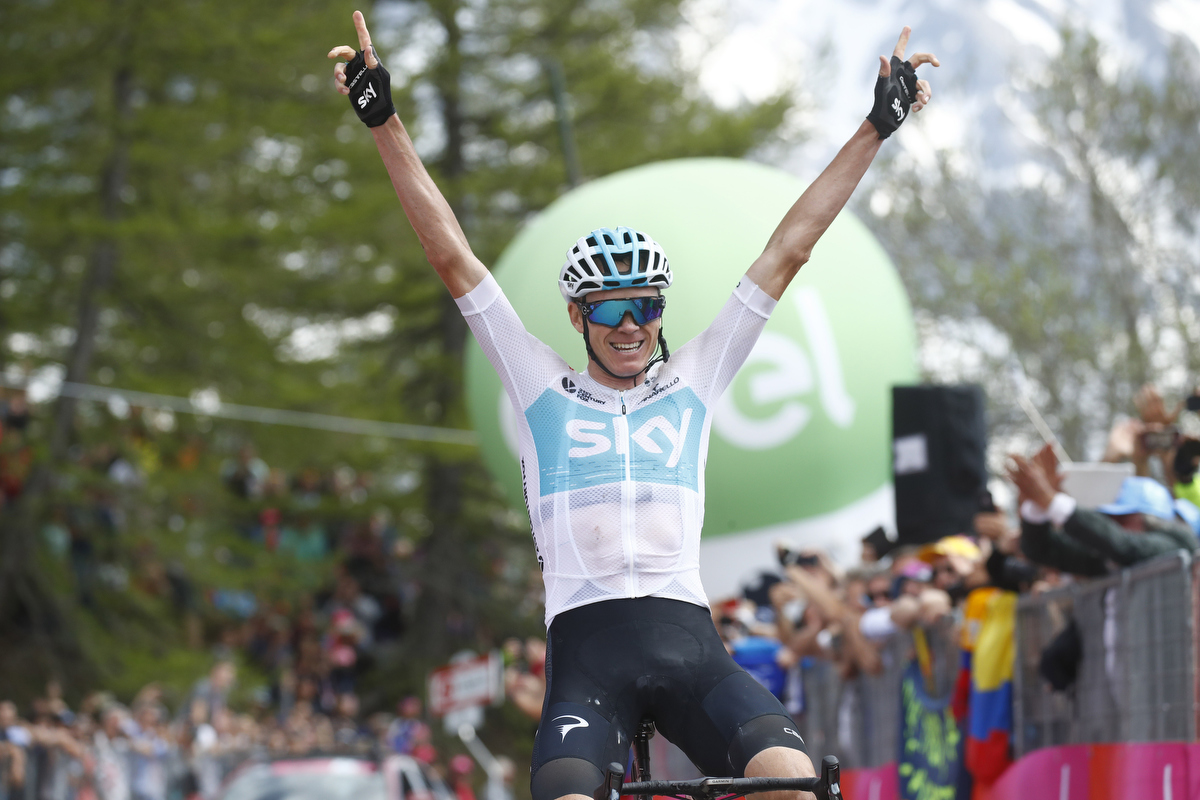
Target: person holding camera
x=1139, y=525
x=1185, y=465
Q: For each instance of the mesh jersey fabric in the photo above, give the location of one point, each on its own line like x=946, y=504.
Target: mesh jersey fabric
x=614, y=480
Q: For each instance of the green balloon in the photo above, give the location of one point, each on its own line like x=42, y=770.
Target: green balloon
x=804, y=429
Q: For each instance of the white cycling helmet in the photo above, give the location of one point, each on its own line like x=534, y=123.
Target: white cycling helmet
x=590, y=265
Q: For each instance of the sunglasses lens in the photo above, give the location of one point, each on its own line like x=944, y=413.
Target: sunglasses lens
x=611, y=312
x=652, y=307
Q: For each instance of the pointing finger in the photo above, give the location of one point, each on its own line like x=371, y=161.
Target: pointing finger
x=903, y=43
x=924, y=58
x=364, y=40
x=885, y=67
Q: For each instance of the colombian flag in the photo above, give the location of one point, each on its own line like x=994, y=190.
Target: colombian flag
x=989, y=712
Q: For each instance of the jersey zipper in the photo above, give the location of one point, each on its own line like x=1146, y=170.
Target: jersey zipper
x=627, y=502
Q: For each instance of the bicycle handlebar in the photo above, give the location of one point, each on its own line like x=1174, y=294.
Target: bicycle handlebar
x=827, y=787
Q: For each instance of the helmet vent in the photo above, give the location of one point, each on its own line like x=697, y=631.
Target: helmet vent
x=592, y=262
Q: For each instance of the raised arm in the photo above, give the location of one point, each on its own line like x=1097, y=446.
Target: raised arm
x=792, y=242
x=428, y=212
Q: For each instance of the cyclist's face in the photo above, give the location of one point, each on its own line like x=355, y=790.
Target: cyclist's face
x=627, y=347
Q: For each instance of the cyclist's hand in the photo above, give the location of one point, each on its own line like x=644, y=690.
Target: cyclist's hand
x=369, y=84
x=898, y=90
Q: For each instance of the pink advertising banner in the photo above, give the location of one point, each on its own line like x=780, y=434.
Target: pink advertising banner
x=1153, y=771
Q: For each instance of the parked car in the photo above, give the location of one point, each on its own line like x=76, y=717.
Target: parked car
x=335, y=778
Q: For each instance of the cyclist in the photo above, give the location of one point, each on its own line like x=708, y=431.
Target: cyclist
x=613, y=458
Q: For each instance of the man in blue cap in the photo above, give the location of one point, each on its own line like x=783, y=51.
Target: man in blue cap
x=1139, y=525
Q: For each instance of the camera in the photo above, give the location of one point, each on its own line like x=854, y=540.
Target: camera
x=791, y=558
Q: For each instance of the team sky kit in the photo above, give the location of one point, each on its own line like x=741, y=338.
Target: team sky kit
x=614, y=484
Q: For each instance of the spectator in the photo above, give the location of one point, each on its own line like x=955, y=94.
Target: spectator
x=305, y=541
x=14, y=740
x=956, y=564
x=214, y=689
x=149, y=751
x=876, y=546
x=16, y=453
x=461, y=767
x=111, y=747
x=348, y=596
x=247, y=475
x=829, y=626
x=1055, y=532
x=1185, y=465
x=1005, y=570
x=348, y=732
x=525, y=674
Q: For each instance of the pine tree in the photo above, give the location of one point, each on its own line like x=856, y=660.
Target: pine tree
x=186, y=205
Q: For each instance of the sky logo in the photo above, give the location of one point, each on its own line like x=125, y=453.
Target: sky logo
x=578, y=446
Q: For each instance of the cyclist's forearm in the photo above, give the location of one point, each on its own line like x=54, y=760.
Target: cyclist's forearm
x=428, y=212
x=806, y=221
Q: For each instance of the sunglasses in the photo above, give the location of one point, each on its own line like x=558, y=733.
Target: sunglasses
x=610, y=312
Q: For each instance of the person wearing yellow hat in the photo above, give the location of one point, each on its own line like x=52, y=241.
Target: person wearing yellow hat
x=957, y=564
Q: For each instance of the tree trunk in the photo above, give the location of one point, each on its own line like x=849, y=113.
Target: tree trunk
x=39, y=639
x=101, y=267
x=443, y=596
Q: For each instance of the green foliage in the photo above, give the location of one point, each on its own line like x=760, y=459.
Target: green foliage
x=1081, y=275
x=186, y=205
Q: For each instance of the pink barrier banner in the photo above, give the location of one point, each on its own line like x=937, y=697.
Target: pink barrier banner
x=1152, y=771
x=881, y=783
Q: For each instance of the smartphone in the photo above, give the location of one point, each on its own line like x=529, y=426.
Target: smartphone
x=1158, y=441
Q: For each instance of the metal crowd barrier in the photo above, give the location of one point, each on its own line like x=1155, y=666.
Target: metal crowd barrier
x=859, y=720
x=1136, y=679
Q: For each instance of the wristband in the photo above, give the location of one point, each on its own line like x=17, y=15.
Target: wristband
x=894, y=95
x=370, y=90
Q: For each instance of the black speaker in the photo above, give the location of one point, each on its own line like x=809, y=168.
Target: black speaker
x=938, y=441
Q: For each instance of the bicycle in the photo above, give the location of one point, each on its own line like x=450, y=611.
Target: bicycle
x=826, y=787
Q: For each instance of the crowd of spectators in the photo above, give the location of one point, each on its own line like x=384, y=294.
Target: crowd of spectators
x=105, y=750
x=315, y=645
x=810, y=609
x=313, y=637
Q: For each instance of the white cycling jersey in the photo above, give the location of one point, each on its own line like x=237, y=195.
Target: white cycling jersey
x=614, y=480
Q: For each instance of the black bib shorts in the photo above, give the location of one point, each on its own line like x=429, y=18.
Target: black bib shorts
x=613, y=663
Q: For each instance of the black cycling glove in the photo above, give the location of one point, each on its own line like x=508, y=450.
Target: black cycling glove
x=894, y=95
x=370, y=90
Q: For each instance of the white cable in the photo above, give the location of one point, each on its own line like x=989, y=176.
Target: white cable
x=267, y=416
x=1035, y=416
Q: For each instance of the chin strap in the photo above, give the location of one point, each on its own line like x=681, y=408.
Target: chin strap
x=662, y=348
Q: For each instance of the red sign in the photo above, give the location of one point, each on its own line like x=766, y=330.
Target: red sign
x=474, y=681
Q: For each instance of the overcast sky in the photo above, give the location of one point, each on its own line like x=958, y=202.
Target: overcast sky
x=748, y=49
